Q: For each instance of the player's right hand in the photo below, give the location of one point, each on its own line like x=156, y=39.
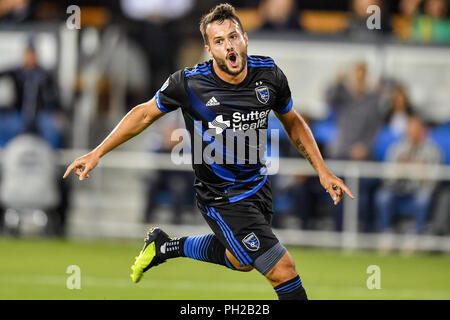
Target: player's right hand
x=83, y=165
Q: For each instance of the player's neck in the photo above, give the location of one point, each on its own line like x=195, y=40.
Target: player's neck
x=228, y=77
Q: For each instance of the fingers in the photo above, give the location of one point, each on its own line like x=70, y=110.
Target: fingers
x=69, y=170
x=85, y=173
x=333, y=194
x=336, y=191
x=340, y=195
x=81, y=170
x=346, y=190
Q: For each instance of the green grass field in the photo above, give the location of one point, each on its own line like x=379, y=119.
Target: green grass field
x=36, y=269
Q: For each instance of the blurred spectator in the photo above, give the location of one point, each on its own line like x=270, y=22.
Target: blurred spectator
x=395, y=123
x=400, y=110
x=431, y=25
x=405, y=19
x=36, y=98
x=169, y=187
x=279, y=15
x=156, y=27
x=407, y=196
x=357, y=27
x=358, y=117
x=13, y=11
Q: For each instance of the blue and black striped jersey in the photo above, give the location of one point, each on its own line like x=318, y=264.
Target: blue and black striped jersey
x=227, y=124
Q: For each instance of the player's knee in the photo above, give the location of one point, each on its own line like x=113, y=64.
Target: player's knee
x=236, y=264
x=284, y=270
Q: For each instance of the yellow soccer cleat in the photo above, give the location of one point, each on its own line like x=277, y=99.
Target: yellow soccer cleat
x=150, y=255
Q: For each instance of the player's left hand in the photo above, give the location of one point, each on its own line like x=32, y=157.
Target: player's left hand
x=335, y=187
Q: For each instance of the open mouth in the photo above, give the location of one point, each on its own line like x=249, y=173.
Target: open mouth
x=233, y=59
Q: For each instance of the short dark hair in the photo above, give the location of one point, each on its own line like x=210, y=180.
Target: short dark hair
x=220, y=13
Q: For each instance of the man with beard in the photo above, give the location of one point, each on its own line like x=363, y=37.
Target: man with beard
x=230, y=93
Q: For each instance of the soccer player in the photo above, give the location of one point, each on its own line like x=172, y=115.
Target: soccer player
x=230, y=93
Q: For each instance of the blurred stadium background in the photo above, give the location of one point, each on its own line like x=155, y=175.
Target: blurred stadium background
x=378, y=102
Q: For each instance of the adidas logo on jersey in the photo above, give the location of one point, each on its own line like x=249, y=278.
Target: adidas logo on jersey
x=212, y=102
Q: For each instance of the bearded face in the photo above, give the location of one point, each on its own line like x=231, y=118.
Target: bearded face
x=227, y=46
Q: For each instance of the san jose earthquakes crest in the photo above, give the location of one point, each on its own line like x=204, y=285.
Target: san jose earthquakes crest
x=251, y=241
x=262, y=93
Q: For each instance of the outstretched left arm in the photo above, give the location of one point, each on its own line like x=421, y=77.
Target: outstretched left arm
x=303, y=139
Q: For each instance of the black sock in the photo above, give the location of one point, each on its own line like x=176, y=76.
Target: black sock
x=203, y=248
x=172, y=248
x=291, y=290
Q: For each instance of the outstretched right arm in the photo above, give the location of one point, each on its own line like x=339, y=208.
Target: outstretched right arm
x=134, y=122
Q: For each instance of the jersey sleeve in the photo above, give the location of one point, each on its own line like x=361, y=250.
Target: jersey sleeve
x=172, y=94
x=283, y=101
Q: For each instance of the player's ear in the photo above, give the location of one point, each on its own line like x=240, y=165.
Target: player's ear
x=208, y=49
x=246, y=38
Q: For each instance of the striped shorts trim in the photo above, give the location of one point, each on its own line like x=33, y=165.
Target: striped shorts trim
x=236, y=249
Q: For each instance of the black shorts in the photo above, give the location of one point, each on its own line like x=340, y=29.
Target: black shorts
x=244, y=228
